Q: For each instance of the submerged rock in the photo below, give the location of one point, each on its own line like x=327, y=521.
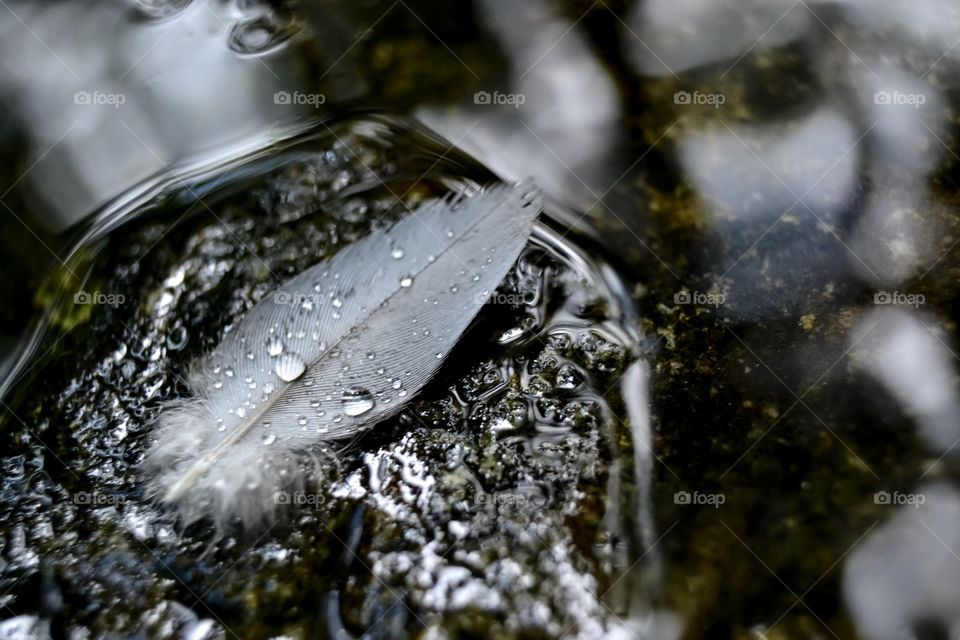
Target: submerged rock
x=484, y=508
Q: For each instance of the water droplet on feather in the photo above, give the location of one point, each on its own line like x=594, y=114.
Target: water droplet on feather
x=357, y=401
x=289, y=367
x=274, y=346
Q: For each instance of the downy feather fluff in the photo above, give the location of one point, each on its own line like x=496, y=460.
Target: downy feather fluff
x=333, y=351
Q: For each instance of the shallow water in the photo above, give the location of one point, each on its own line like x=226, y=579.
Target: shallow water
x=515, y=441
x=755, y=438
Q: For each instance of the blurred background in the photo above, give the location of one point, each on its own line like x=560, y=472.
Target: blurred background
x=775, y=183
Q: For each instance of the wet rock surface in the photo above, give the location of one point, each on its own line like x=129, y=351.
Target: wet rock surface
x=479, y=510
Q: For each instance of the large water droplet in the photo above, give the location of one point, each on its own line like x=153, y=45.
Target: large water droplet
x=357, y=401
x=289, y=367
x=406, y=281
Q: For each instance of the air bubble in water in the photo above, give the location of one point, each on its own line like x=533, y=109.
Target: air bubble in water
x=261, y=35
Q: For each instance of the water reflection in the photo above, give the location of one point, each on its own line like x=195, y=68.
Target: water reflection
x=101, y=118
x=893, y=236
x=673, y=36
x=903, y=581
x=561, y=124
x=901, y=349
x=796, y=159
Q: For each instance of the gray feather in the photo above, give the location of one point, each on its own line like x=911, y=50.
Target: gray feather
x=335, y=350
